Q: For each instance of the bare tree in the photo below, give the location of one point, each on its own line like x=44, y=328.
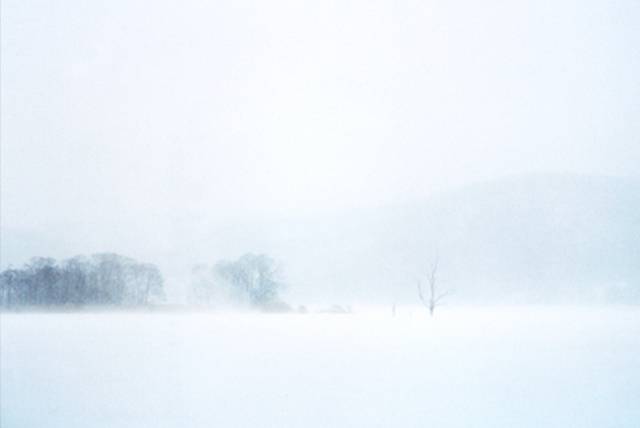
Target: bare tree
x=435, y=297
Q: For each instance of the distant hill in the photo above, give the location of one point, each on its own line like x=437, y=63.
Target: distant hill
x=533, y=238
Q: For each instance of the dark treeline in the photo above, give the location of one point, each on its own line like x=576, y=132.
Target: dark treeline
x=101, y=279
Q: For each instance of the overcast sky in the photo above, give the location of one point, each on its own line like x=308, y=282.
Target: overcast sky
x=141, y=114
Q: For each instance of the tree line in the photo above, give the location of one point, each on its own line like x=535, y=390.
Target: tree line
x=253, y=280
x=100, y=279
x=108, y=279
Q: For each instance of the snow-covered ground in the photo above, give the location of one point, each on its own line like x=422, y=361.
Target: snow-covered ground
x=488, y=367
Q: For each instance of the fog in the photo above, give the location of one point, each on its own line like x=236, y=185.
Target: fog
x=171, y=133
x=356, y=213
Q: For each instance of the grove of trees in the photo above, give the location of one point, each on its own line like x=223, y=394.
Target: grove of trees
x=252, y=279
x=101, y=279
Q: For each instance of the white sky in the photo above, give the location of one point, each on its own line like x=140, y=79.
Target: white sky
x=142, y=113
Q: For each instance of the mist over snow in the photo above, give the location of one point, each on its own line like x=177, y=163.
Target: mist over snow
x=176, y=134
x=319, y=214
x=538, y=238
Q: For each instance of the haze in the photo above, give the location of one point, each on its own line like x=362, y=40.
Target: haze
x=170, y=130
x=320, y=214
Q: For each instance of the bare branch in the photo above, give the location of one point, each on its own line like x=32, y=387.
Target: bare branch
x=434, y=298
x=442, y=295
x=420, y=294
